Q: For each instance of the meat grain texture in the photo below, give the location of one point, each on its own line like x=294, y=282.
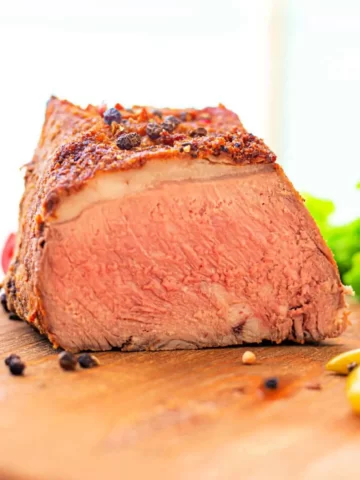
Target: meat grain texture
x=192, y=238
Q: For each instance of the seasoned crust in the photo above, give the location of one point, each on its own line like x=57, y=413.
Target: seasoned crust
x=77, y=143
x=81, y=144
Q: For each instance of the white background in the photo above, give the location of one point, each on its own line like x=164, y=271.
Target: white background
x=290, y=69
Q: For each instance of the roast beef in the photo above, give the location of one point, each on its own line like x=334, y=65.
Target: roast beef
x=166, y=229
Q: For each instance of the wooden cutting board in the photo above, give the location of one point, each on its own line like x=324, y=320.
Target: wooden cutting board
x=179, y=415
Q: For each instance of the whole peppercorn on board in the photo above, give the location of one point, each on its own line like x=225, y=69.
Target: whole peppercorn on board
x=181, y=415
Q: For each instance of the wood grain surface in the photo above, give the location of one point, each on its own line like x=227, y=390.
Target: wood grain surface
x=179, y=415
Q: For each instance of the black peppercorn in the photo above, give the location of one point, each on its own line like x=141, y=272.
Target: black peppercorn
x=127, y=141
x=88, y=361
x=198, y=132
x=153, y=130
x=170, y=123
x=157, y=113
x=4, y=302
x=10, y=358
x=112, y=115
x=67, y=361
x=16, y=367
x=271, y=383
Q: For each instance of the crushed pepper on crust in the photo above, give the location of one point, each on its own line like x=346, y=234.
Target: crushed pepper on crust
x=82, y=144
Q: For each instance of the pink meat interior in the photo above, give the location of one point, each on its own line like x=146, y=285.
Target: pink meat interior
x=190, y=264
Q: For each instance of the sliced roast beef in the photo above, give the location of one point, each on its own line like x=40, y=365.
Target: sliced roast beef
x=164, y=229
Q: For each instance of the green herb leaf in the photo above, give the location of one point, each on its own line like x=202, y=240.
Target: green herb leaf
x=344, y=240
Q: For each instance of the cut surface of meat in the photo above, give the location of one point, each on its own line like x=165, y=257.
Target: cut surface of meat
x=190, y=263
x=168, y=247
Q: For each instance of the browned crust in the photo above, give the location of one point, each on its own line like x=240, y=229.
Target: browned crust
x=76, y=144
x=88, y=145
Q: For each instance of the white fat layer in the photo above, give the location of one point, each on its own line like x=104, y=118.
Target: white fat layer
x=110, y=186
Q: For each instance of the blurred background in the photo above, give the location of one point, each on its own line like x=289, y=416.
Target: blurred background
x=289, y=68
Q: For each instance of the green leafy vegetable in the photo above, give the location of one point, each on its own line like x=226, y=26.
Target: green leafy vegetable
x=344, y=240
